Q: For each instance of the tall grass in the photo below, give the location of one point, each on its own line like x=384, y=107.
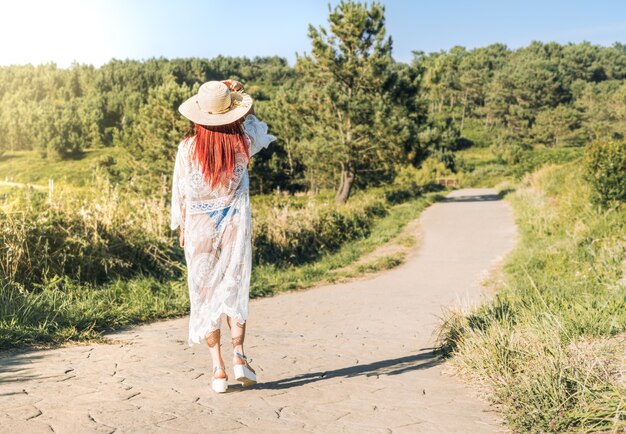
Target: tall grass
x=551, y=346
x=268, y=278
x=90, y=235
x=84, y=260
x=296, y=233
x=61, y=310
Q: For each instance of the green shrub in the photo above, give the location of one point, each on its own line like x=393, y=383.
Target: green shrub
x=508, y=151
x=477, y=133
x=429, y=171
x=605, y=163
x=401, y=193
x=294, y=236
x=540, y=156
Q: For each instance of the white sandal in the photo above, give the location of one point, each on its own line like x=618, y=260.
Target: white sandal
x=219, y=385
x=243, y=372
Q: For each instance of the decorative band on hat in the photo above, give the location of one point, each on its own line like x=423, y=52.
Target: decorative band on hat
x=215, y=112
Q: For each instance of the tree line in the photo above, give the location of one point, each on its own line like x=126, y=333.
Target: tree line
x=346, y=114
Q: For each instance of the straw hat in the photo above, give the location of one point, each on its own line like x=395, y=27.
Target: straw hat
x=216, y=104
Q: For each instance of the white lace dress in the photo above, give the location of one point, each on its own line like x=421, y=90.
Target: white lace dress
x=218, y=235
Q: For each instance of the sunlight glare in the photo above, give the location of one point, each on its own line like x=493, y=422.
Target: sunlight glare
x=43, y=31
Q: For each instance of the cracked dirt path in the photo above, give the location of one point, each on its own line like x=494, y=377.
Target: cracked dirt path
x=350, y=357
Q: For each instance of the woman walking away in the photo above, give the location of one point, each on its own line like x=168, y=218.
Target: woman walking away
x=211, y=205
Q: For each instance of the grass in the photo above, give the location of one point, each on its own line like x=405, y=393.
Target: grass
x=482, y=168
x=268, y=279
x=28, y=167
x=59, y=308
x=550, y=347
x=62, y=310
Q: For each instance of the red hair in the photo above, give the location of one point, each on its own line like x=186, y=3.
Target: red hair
x=215, y=148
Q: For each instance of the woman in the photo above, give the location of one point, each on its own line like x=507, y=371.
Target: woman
x=211, y=205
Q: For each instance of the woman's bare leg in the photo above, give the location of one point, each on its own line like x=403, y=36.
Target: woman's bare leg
x=213, y=341
x=238, y=334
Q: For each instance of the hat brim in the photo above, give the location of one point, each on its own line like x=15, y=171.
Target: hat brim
x=242, y=103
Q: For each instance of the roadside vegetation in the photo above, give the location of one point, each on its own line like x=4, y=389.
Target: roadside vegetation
x=551, y=346
x=80, y=261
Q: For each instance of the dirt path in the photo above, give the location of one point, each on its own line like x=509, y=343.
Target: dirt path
x=351, y=357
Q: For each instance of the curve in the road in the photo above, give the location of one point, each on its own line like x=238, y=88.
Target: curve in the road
x=350, y=357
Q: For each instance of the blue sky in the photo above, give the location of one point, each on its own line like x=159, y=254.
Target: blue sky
x=94, y=31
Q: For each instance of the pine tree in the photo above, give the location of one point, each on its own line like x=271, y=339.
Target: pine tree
x=159, y=127
x=347, y=92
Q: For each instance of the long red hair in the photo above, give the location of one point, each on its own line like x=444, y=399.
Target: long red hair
x=215, y=148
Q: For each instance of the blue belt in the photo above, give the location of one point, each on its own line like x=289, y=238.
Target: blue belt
x=220, y=213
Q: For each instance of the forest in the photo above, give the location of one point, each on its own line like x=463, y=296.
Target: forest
x=544, y=94
x=364, y=145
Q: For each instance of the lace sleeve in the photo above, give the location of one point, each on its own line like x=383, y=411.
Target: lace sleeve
x=257, y=131
x=178, y=192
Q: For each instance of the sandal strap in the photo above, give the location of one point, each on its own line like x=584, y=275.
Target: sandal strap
x=242, y=357
x=215, y=368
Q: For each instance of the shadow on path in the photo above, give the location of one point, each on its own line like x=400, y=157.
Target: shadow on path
x=424, y=360
x=12, y=364
x=473, y=198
